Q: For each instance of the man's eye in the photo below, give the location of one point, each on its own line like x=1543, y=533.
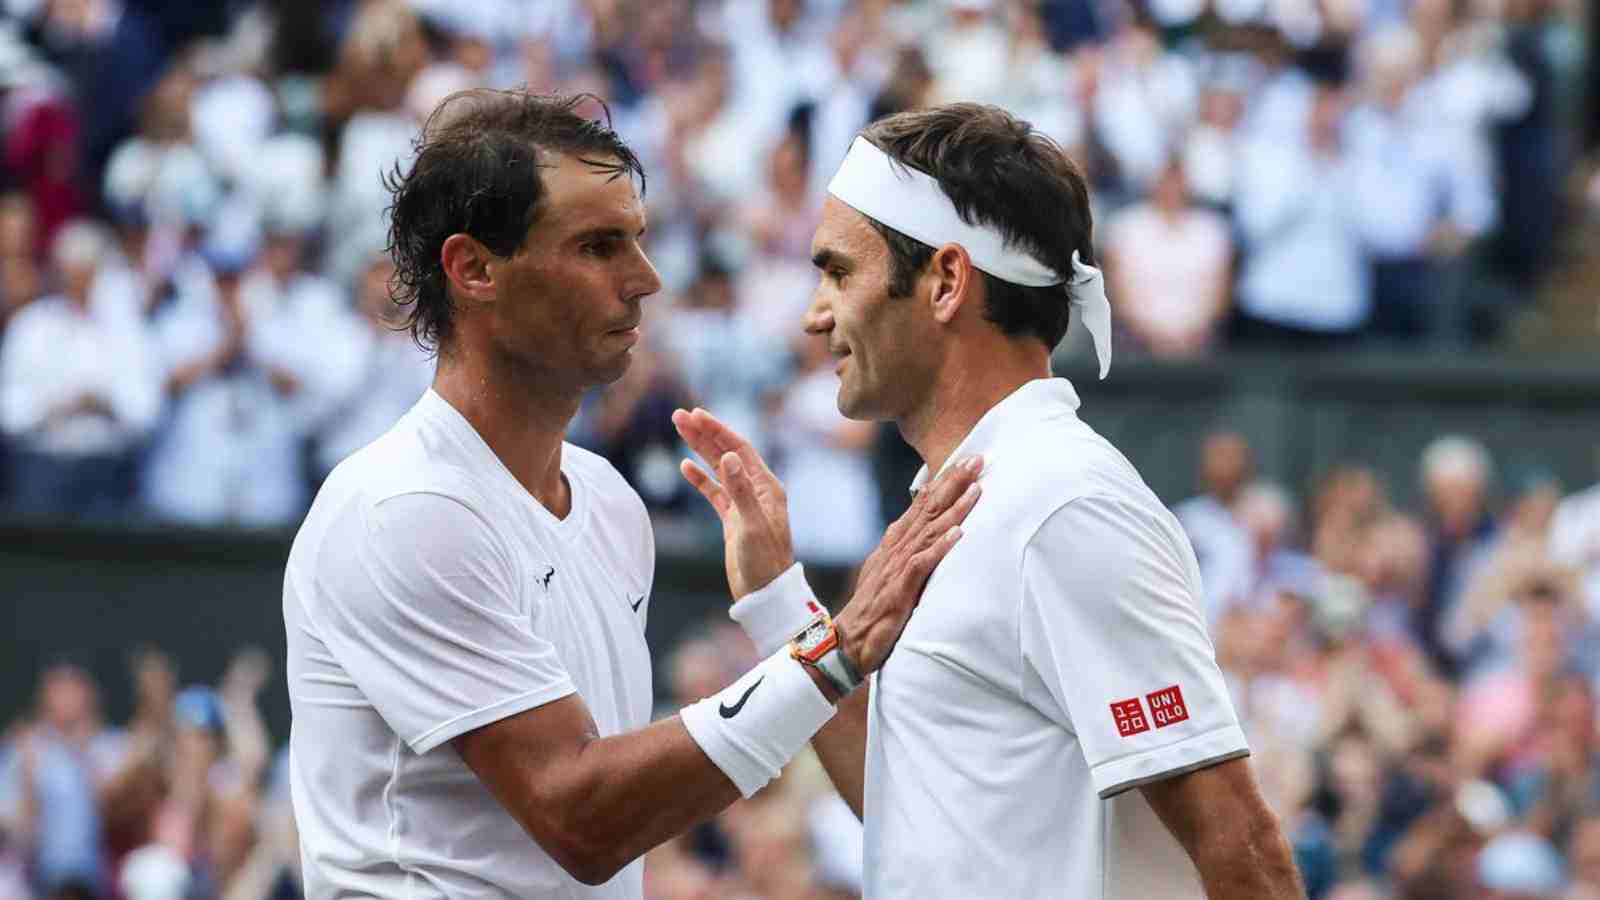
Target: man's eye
x=600, y=248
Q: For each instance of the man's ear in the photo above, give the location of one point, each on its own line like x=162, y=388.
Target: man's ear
x=466, y=268
x=954, y=278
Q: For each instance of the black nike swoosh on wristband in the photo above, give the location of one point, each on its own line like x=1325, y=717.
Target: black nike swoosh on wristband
x=729, y=712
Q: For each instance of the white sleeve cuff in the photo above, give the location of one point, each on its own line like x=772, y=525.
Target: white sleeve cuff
x=775, y=614
x=753, y=727
x=1198, y=752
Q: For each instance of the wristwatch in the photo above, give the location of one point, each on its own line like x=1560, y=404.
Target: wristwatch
x=820, y=646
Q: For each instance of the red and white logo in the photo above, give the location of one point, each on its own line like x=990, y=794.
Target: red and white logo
x=1167, y=707
x=1130, y=718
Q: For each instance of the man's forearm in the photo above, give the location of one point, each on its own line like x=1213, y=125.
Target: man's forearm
x=643, y=789
x=1252, y=863
x=841, y=745
x=597, y=806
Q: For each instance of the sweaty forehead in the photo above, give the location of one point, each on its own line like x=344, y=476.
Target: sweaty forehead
x=580, y=196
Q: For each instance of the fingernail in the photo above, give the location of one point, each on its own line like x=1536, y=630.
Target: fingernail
x=954, y=534
x=972, y=463
x=972, y=490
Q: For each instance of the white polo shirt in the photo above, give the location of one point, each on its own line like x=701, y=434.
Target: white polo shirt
x=428, y=594
x=1058, y=658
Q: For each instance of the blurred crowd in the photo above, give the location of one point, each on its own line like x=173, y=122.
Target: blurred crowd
x=192, y=212
x=195, y=327
x=1419, y=685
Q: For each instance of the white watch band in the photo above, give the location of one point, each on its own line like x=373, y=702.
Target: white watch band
x=839, y=672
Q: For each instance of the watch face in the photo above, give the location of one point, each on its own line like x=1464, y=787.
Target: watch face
x=813, y=636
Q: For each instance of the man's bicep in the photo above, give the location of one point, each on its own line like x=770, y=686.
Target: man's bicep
x=516, y=755
x=1112, y=629
x=423, y=612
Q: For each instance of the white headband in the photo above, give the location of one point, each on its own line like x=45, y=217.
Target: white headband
x=912, y=203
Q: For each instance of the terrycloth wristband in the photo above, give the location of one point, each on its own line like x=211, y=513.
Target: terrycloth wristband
x=753, y=727
x=773, y=615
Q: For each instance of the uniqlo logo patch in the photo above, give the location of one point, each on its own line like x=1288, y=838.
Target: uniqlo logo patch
x=1130, y=717
x=1167, y=707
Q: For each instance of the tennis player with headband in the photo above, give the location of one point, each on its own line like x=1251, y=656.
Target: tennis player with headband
x=1052, y=721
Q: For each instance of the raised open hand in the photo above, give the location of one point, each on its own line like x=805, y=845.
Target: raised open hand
x=748, y=499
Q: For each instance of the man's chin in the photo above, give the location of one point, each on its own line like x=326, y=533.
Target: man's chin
x=853, y=406
x=612, y=370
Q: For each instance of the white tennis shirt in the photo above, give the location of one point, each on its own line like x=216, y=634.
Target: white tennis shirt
x=428, y=594
x=1058, y=658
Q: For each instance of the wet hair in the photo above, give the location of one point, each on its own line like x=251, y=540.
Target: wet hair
x=477, y=172
x=999, y=172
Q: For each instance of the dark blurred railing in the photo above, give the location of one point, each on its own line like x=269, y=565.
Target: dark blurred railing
x=92, y=592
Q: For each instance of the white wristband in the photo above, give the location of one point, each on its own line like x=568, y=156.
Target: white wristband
x=773, y=615
x=753, y=727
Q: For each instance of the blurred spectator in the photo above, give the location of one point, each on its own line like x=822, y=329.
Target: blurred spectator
x=1144, y=101
x=1170, y=303
x=231, y=453
x=1500, y=713
x=20, y=278
x=842, y=95
x=1438, y=855
x=1455, y=480
x=382, y=51
x=821, y=458
x=1304, y=282
x=1560, y=788
x=630, y=424
x=727, y=362
x=774, y=286
x=1220, y=543
x=1346, y=502
x=284, y=302
x=1531, y=147
x=43, y=140
x=969, y=54
x=1575, y=542
x=1277, y=569
x=1425, y=190
x=387, y=371
x=1210, y=152
x=1480, y=631
x=1393, y=563
x=54, y=770
x=77, y=391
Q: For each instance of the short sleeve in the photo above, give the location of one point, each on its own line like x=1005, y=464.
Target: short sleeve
x=425, y=616
x=1114, y=644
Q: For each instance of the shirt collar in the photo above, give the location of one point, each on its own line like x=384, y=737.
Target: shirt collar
x=1034, y=401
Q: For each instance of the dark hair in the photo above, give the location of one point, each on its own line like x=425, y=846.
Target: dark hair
x=1001, y=173
x=477, y=172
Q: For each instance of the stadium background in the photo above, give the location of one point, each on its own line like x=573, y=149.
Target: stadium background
x=1352, y=250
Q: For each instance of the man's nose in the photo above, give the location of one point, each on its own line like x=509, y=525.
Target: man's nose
x=818, y=318
x=647, y=280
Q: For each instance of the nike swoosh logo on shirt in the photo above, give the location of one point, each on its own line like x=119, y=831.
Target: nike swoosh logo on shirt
x=729, y=712
x=635, y=604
